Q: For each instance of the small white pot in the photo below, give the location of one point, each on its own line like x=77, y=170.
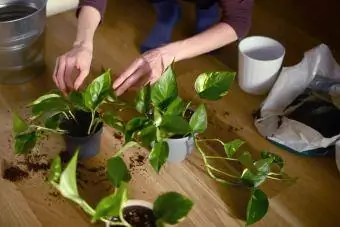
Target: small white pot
x=179, y=149
x=133, y=202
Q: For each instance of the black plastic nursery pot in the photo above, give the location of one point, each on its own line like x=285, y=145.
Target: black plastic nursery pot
x=77, y=135
x=137, y=214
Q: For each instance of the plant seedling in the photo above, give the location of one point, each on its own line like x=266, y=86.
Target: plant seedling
x=77, y=114
x=169, y=208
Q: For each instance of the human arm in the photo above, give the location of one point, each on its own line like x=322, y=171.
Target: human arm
x=235, y=24
x=89, y=13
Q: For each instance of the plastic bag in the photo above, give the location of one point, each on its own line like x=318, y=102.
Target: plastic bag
x=301, y=112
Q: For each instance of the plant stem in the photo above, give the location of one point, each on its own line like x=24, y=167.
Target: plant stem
x=218, y=157
x=95, y=126
x=211, y=174
x=47, y=129
x=72, y=115
x=221, y=172
x=124, y=223
x=91, y=123
x=216, y=140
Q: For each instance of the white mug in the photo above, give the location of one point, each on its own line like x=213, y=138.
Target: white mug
x=259, y=62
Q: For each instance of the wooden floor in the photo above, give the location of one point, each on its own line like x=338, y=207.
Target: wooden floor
x=311, y=201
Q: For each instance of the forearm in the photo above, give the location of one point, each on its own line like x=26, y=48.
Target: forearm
x=88, y=21
x=216, y=37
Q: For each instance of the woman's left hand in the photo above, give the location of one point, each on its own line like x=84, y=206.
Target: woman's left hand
x=146, y=69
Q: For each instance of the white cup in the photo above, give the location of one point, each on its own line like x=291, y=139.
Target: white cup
x=259, y=62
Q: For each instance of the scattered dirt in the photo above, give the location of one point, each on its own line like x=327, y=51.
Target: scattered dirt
x=32, y=163
x=136, y=161
x=54, y=194
x=14, y=174
x=118, y=136
x=37, y=162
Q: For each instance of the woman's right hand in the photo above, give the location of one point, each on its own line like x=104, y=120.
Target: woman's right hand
x=78, y=58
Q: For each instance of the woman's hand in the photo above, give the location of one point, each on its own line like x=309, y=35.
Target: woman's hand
x=78, y=58
x=144, y=70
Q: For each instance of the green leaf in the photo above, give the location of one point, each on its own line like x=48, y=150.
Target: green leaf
x=172, y=207
x=165, y=88
x=77, y=100
x=160, y=223
x=255, y=180
x=113, y=121
x=246, y=160
x=214, y=85
x=117, y=171
x=125, y=147
x=174, y=124
x=97, y=91
x=199, y=120
x=148, y=135
x=112, y=205
x=232, y=147
x=53, y=121
x=55, y=170
x=277, y=159
x=134, y=125
x=19, y=125
x=44, y=98
x=24, y=143
x=158, y=155
x=48, y=106
x=176, y=107
x=157, y=117
x=112, y=97
x=68, y=181
x=143, y=100
x=257, y=206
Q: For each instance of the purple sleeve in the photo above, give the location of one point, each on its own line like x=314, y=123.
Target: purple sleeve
x=238, y=14
x=100, y=5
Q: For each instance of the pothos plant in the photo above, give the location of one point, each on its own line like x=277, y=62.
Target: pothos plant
x=168, y=208
x=165, y=115
x=50, y=110
x=253, y=174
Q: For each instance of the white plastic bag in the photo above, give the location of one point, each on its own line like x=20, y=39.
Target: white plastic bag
x=319, y=73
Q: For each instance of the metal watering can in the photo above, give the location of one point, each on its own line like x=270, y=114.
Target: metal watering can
x=22, y=36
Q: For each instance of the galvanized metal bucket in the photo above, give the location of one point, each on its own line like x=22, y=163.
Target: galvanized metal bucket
x=22, y=39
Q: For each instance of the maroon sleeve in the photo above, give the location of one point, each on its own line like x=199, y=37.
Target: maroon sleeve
x=238, y=14
x=100, y=5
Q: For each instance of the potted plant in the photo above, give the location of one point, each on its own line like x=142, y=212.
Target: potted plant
x=168, y=123
x=116, y=209
x=167, y=118
x=253, y=174
x=76, y=116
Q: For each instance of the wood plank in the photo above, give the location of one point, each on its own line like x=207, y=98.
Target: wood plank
x=15, y=211
x=309, y=202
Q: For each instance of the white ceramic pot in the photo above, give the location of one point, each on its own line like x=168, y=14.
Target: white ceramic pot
x=179, y=149
x=259, y=62
x=133, y=202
